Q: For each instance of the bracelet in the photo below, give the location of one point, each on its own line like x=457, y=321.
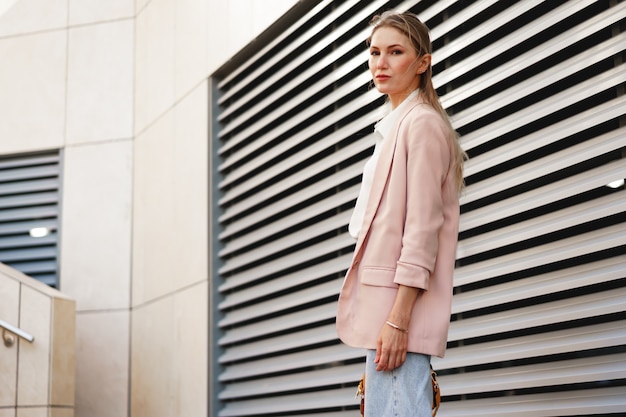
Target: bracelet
x=395, y=326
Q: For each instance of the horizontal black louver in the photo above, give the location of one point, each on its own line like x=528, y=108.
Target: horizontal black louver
x=29, y=214
x=536, y=88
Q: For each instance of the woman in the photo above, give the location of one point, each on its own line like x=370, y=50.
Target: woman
x=396, y=297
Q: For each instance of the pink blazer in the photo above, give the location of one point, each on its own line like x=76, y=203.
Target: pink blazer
x=408, y=237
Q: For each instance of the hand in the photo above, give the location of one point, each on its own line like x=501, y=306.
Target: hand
x=391, y=349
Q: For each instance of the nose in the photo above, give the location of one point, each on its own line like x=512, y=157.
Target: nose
x=381, y=62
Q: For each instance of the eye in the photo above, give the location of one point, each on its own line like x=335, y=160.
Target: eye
x=396, y=52
x=374, y=52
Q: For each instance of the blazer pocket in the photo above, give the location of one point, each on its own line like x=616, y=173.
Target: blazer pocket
x=378, y=276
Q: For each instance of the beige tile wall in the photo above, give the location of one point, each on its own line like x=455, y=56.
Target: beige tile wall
x=67, y=83
x=170, y=264
x=60, y=412
x=104, y=383
x=153, y=341
x=191, y=50
x=33, y=412
x=44, y=412
x=234, y=23
x=63, y=354
x=170, y=232
x=171, y=333
x=7, y=412
x=191, y=350
x=33, y=362
x=39, y=376
x=96, y=234
x=83, y=12
x=9, y=312
x=20, y=18
x=33, y=91
x=154, y=62
x=121, y=87
x=100, y=82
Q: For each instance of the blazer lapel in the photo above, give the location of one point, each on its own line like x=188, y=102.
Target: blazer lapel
x=381, y=175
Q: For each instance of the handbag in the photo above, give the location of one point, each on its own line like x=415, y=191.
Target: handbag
x=360, y=392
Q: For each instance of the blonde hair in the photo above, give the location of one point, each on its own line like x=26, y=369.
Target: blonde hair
x=418, y=34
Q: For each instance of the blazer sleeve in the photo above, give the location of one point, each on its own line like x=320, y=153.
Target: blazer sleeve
x=423, y=138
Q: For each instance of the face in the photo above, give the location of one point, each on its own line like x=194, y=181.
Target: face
x=394, y=64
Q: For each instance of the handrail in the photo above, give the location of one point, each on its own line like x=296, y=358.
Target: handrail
x=9, y=339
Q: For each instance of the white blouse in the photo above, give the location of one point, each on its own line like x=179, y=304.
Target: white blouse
x=382, y=129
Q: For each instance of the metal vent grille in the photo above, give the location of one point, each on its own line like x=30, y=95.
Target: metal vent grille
x=536, y=88
x=29, y=214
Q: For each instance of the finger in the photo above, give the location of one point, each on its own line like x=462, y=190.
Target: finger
x=397, y=359
x=383, y=360
x=395, y=362
x=379, y=348
x=382, y=365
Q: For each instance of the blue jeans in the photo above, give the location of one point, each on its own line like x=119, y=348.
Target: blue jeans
x=403, y=392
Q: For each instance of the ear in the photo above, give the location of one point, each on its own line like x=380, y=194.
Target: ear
x=424, y=63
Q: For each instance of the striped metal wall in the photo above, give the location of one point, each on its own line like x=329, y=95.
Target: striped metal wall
x=537, y=90
x=29, y=204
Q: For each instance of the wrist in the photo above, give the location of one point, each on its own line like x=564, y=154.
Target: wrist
x=397, y=327
x=400, y=318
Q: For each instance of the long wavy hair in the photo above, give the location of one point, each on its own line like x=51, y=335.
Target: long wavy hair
x=419, y=37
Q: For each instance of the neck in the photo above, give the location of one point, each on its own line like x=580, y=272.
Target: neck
x=396, y=99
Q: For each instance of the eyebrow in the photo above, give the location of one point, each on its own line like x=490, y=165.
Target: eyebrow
x=395, y=45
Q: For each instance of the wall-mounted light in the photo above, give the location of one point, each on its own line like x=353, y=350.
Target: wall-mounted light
x=616, y=184
x=39, y=232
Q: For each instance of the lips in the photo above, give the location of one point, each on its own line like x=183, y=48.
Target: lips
x=382, y=77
